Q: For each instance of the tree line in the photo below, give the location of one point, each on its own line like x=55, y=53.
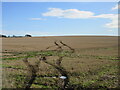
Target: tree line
x=27, y=35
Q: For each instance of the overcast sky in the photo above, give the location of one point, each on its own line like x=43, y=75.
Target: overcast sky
x=60, y=18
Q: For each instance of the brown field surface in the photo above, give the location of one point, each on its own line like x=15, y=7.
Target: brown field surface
x=40, y=43
x=93, y=64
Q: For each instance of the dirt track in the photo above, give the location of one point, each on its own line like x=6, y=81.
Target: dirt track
x=40, y=43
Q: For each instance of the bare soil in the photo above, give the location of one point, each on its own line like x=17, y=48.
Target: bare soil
x=94, y=64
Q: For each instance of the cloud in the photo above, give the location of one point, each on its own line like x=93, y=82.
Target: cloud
x=117, y=6
x=36, y=19
x=110, y=30
x=77, y=14
x=112, y=17
x=69, y=13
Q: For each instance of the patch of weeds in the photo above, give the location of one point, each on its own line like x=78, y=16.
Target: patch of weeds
x=102, y=77
x=14, y=67
x=43, y=86
x=115, y=58
x=72, y=86
x=12, y=58
x=55, y=53
x=94, y=79
x=46, y=81
x=82, y=74
x=16, y=58
x=48, y=53
x=19, y=80
x=31, y=52
x=87, y=84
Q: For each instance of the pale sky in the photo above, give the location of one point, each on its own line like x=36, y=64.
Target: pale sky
x=60, y=0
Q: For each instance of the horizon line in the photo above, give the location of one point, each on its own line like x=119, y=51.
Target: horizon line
x=57, y=35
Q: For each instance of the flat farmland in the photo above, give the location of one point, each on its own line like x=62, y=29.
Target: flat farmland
x=40, y=43
x=60, y=62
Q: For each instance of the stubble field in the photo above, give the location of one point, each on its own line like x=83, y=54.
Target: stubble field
x=60, y=62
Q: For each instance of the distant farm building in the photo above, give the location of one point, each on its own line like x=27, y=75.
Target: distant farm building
x=27, y=35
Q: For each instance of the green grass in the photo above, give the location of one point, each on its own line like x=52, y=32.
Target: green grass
x=43, y=53
x=63, y=54
x=96, y=78
x=10, y=66
x=43, y=87
x=93, y=78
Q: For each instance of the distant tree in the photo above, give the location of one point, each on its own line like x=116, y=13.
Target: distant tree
x=13, y=36
x=8, y=36
x=27, y=35
x=3, y=36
